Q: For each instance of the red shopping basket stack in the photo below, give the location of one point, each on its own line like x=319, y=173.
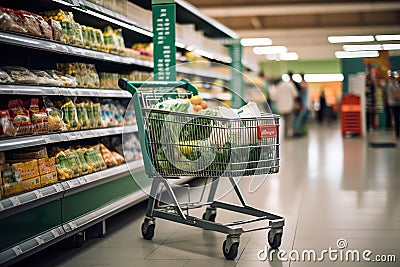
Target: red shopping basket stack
x=351, y=115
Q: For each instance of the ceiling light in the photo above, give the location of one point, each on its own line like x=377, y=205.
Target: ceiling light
x=388, y=37
x=297, y=78
x=356, y=54
x=269, y=50
x=391, y=46
x=255, y=41
x=289, y=56
x=351, y=39
x=374, y=47
x=324, y=77
x=285, y=78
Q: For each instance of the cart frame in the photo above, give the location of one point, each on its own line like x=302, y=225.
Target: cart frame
x=175, y=211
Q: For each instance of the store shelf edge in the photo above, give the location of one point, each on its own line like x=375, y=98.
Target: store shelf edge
x=22, y=89
x=51, y=46
x=19, y=203
x=51, y=138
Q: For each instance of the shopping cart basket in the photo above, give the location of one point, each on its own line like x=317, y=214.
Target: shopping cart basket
x=176, y=144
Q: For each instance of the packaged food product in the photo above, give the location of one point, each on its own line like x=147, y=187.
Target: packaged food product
x=94, y=77
x=39, y=117
x=70, y=115
x=56, y=30
x=97, y=115
x=67, y=80
x=6, y=173
x=120, y=159
x=31, y=23
x=45, y=28
x=55, y=116
x=20, y=117
x=72, y=33
x=48, y=178
x=81, y=154
x=58, y=15
x=6, y=125
x=13, y=188
x=108, y=156
x=20, y=74
x=29, y=153
x=45, y=78
x=4, y=77
x=83, y=120
x=67, y=165
x=10, y=21
x=30, y=184
x=47, y=165
x=25, y=170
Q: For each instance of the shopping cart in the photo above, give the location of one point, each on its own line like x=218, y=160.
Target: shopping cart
x=176, y=145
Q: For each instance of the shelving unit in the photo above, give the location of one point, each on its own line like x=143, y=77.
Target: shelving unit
x=33, y=220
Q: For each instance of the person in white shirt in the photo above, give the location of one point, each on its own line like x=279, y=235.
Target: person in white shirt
x=284, y=94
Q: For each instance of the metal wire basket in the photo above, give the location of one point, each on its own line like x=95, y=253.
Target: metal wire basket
x=182, y=144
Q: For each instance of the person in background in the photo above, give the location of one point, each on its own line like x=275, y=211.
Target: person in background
x=322, y=107
x=266, y=90
x=284, y=94
x=393, y=99
x=301, y=119
x=370, y=98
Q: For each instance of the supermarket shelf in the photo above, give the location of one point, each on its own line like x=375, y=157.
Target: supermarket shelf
x=94, y=179
x=204, y=73
x=55, y=47
x=44, y=139
x=19, y=203
x=31, y=246
x=20, y=89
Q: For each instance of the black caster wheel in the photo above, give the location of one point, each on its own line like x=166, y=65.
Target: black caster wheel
x=230, y=253
x=78, y=240
x=274, y=239
x=148, y=230
x=210, y=214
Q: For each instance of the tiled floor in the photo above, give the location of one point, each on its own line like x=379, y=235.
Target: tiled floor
x=328, y=188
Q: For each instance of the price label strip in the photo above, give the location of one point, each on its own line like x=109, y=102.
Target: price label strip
x=39, y=240
x=17, y=250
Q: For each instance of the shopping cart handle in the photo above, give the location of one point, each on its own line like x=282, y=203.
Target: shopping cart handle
x=184, y=83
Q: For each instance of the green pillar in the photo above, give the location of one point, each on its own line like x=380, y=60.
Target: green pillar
x=164, y=40
x=236, y=85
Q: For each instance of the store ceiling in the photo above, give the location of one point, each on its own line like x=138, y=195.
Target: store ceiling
x=304, y=25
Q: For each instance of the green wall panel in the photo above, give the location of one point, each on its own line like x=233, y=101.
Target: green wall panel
x=277, y=68
x=25, y=225
x=83, y=202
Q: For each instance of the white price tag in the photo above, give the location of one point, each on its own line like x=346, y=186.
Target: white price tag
x=17, y=250
x=39, y=240
x=47, y=140
x=72, y=225
x=55, y=233
x=82, y=180
x=71, y=136
x=38, y=194
x=58, y=188
x=15, y=201
x=70, y=184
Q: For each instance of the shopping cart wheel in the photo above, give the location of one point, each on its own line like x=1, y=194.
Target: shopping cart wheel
x=230, y=250
x=148, y=229
x=274, y=239
x=210, y=214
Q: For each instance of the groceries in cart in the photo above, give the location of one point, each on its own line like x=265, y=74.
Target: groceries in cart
x=211, y=141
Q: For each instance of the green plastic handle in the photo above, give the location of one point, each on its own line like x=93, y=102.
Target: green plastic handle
x=184, y=83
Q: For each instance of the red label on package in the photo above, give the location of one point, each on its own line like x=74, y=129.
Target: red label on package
x=267, y=131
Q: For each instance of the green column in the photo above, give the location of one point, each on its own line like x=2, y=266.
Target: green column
x=237, y=76
x=164, y=40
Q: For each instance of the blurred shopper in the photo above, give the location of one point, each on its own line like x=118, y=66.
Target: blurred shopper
x=322, y=107
x=301, y=119
x=393, y=97
x=370, y=98
x=284, y=94
x=266, y=85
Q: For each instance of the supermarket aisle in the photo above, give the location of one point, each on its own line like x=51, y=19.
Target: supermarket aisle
x=329, y=188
